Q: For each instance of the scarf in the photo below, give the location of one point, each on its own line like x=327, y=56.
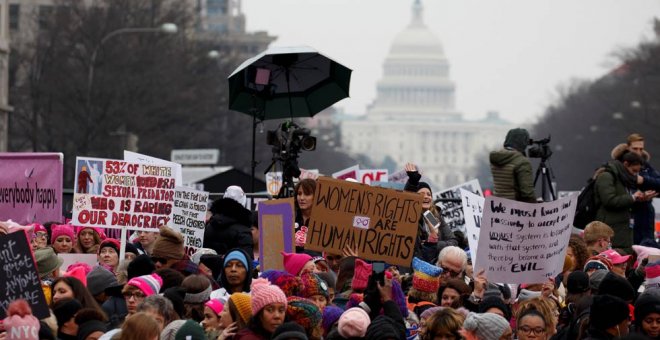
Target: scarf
x=628, y=180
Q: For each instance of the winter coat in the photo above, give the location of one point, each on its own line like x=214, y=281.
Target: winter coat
x=248, y=278
x=614, y=200
x=229, y=227
x=512, y=175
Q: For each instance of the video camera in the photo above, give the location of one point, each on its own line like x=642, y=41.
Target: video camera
x=287, y=141
x=539, y=148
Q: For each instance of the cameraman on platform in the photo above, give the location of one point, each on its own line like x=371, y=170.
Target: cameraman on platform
x=512, y=171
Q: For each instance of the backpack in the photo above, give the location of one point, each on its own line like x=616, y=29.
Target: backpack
x=587, y=206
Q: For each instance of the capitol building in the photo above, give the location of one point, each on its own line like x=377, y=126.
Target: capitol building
x=414, y=117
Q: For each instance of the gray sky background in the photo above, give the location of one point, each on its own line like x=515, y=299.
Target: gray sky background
x=505, y=55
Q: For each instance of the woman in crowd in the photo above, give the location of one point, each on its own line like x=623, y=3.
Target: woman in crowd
x=430, y=239
x=304, y=190
x=62, y=238
x=445, y=323
x=647, y=315
x=531, y=324
x=70, y=287
x=139, y=288
x=268, y=310
x=108, y=254
x=159, y=308
x=88, y=241
x=452, y=292
x=198, y=291
x=236, y=313
x=140, y=326
x=40, y=239
x=487, y=326
x=212, y=318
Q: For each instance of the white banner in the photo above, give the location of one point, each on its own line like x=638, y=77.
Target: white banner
x=452, y=212
x=473, y=209
x=350, y=172
x=189, y=216
x=140, y=158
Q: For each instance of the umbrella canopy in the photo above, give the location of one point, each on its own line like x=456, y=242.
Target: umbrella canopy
x=287, y=82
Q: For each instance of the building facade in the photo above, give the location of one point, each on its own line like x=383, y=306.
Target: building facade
x=414, y=118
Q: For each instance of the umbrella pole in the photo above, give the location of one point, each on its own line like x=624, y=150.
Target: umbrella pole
x=288, y=91
x=254, y=136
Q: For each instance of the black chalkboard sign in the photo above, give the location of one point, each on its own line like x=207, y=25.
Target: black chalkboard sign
x=19, y=278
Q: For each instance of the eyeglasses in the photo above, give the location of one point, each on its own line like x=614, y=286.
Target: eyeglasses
x=41, y=234
x=451, y=273
x=135, y=295
x=160, y=260
x=530, y=331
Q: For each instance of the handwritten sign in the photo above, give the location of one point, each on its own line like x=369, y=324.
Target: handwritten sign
x=308, y=173
x=452, y=212
x=524, y=242
x=135, y=157
x=276, y=228
x=382, y=223
x=189, y=216
x=350, y=172
x=120, y=194
x=19, y=278
x=473, y=209
x=372, y=175
x=31, y=187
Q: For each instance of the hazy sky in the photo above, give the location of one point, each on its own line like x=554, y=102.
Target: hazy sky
x=505, y=55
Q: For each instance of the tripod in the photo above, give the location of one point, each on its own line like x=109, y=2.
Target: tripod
x=547, y=175
x=289, y=168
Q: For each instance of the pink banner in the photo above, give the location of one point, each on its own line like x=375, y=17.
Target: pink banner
x=31, y=187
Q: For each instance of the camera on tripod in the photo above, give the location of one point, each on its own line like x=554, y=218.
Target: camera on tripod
x=539, y=148
x=287, y=141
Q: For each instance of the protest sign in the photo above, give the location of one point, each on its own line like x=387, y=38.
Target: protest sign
x=372, y=175
x=274, y=182
x=452, y=212
x=135, y=157
x=189, y=217
x=524, y=242
x=308, y=173
x=131, y=195
x=389, y=185
x=276, y=230
x=473, y=209
x=69, y=259
x=31, y=187
x=381, y=223
x=19, y=278
x=350, y=172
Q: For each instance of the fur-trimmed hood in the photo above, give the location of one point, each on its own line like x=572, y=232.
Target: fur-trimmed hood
x=618, y=151
x=228, y=211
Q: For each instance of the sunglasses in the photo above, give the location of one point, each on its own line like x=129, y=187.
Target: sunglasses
x=447, y=271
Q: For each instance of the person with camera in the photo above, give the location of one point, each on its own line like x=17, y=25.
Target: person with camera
x=512, y=171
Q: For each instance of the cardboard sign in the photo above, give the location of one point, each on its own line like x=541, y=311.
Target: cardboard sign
x=189, y=217
x=524, y=242
x=19, y=278
x=135, y=157
x=381, y=222
x=473, y=210
x=31, y=187
x=69, y=259
x=274, y=182
x=129, y=195
x=374, y=175
x=276, y=232
x=452, y=212
x=351, y=172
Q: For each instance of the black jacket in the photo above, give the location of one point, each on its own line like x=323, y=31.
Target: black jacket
x=229, y=228
x=248, y=279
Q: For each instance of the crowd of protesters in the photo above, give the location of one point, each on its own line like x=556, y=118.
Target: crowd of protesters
x=156, y=291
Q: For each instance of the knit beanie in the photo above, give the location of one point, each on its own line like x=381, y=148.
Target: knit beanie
x=141, y=265
x=235, y=193
x=89, y=327
x=238, y=256
x=331, y=315
x=294, y=263
x=353, y=323
x=20, y=324
x=169, y=332
x=383, y=327
x=168, y=245
x=110, y=243
x=607, y=311
x=526, y=294
x=38, y=228
x=202, y=251
x=426, y=277
x=577, y=282
x=289, y=331
x=313, y=285
x=495, y=302
x=596, y=278
x=131, y=248
x=190, y=330
x=487, y=326
x=424, y=185
x=616, y=285
x=148, y=284
x=646, y=304
x=330, y=278
x=430, y=311
x=361, y=275
x=79, y=273
x=216, y=306
x=65, y=310
x=652, y=275
x=303, y=312
x=264, y=294
x=291, y=285
x=57, y=230
x=243, y=303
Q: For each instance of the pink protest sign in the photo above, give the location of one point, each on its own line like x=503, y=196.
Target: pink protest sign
x=31, y=187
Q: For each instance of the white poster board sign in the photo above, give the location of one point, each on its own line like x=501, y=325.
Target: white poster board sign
x=350, y=172
x=140, y=158
x=473, y=209
x=452, y=212
x=372, y=175
x=274, y=182
x=308, y=173
x=524, y=242
x=189, y=217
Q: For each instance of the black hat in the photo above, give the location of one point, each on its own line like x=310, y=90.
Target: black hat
x=495, y=302
x=141, y=265
x=422, y=185
x=646, y=304
x=616, y=285
x=176, y=295
x=383, y=327
x=131, y=248
x=289, y=330
x=578, y=282
x=607, y=311
x=90, y=327
x=65, y=310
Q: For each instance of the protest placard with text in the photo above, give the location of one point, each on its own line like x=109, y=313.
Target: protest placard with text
x=276, y=232
x=381, y=223
x=273, y=182
x=31, y=187
x=524, y=242
x=189, y=217
x=120, y=194
x=372, y=175
x=452, y=212
x=473, y=209
x=350, y=172
x=131, y=156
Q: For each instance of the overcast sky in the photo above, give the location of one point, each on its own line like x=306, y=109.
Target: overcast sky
x=505, y=55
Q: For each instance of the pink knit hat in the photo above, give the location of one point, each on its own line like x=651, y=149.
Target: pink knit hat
x=38, y=227
x=58, y=230
x=263, y=294
x=20, y=324
x=148, y=284
x=361, y=275
x=215, y=305
x=294, y=263
x=353, y=323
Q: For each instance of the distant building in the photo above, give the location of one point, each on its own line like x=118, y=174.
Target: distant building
x=414, y=118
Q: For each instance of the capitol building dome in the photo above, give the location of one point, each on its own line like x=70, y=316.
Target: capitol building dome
x=416, y=41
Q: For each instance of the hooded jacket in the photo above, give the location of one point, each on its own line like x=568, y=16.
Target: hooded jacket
x=248, y=278
x=512, y=171
x=614, y=202
x=229, y=227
